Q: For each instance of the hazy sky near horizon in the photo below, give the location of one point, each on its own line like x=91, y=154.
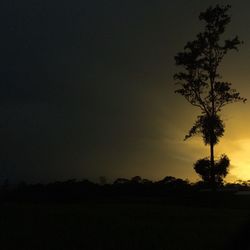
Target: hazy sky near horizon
x=87, y=90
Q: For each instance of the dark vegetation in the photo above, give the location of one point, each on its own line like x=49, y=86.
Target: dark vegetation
x=202, y=86
x=134, y=189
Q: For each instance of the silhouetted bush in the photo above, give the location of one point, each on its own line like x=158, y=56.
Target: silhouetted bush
x=204, y=169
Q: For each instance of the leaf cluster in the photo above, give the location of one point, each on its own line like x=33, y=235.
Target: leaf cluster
x=203, y=168
x=210, y=127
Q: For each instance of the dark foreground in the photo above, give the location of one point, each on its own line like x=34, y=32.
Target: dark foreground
x=123, y=225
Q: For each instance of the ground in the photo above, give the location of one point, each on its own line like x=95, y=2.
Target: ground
x=120, y=226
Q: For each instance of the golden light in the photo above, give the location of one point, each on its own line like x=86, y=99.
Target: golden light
x=240, y=160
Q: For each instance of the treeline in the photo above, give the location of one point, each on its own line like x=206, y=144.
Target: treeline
x=136, y=187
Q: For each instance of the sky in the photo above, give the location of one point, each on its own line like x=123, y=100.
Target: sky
x=87, y=90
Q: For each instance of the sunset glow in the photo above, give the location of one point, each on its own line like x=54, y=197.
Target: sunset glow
x=240, y=160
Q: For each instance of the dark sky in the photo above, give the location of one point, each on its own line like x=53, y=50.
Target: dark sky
x=87, y=90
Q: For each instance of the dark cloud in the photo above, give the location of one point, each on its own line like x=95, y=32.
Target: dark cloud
x=86, y=86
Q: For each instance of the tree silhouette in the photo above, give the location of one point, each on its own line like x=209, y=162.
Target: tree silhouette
x=202, y=168
x=200, y=83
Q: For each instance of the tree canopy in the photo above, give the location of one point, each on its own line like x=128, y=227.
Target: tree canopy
x=200, y=83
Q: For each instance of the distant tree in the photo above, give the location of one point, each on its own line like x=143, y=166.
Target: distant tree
x=103, y=180
x=200, y=83
x=167, y=180
x=146, y=181
x=136, y=179
x=120, y=181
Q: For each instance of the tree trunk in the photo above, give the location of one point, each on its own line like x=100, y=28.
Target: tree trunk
x=213, y=181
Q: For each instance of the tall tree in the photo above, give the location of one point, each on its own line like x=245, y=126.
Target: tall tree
x=200, y=82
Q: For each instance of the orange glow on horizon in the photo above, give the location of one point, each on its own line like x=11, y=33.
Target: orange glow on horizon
x=240, y=160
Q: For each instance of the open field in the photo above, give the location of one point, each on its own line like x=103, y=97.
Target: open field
x=119, y=226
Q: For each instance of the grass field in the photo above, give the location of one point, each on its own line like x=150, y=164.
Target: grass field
x=118, y=226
